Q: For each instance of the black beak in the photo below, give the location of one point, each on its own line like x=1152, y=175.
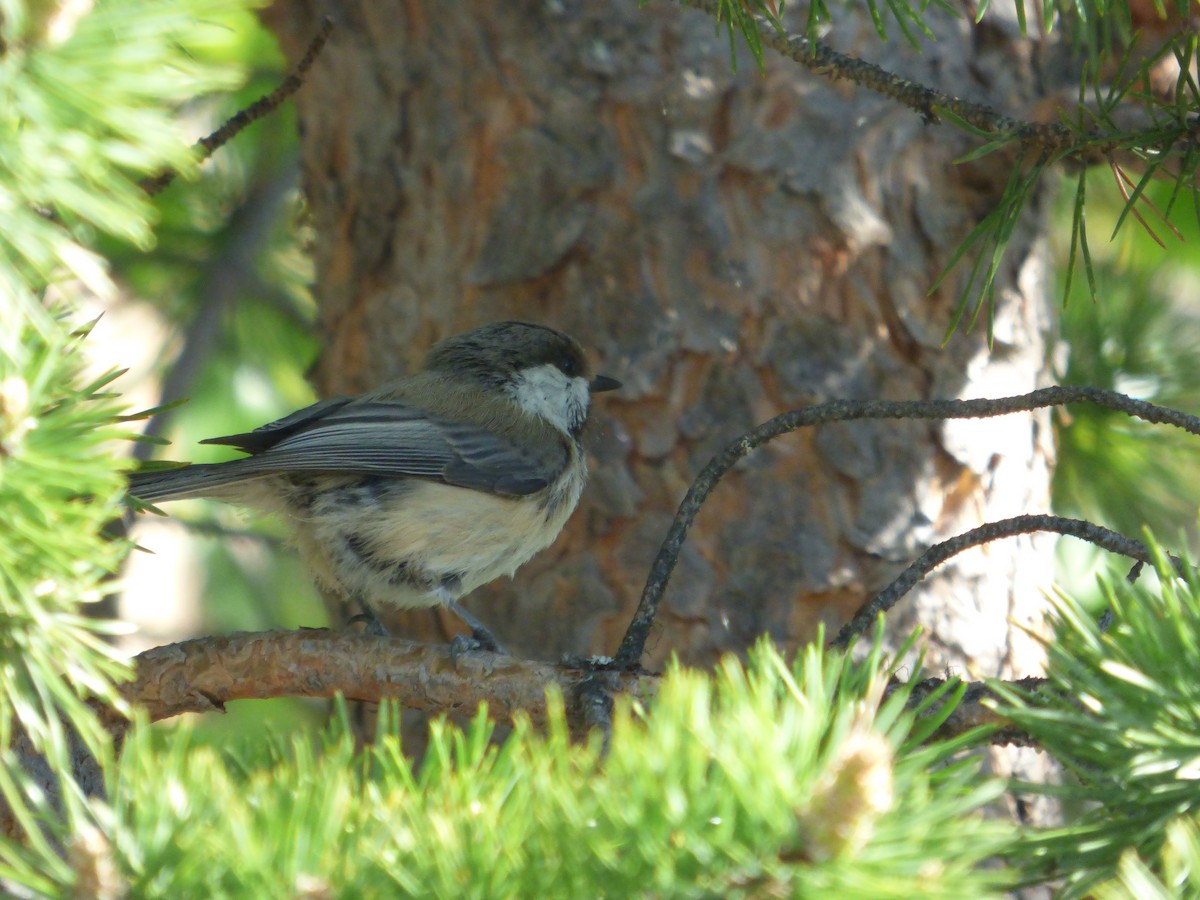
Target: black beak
x=602, y=383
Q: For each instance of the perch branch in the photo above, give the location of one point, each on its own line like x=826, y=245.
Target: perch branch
x=204, y=674
x=634, y=642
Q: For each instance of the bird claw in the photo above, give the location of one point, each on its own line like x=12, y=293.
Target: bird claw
x=373, y=625
x=587, y=663
x=481, y=637
x=477, y=642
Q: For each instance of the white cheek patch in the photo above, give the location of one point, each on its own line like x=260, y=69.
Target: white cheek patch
x=546, y=392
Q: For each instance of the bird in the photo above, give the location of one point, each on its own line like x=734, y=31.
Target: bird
x=416, y=493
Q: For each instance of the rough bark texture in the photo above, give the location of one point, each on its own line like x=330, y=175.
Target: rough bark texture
x=730, y=245
x=203, y=675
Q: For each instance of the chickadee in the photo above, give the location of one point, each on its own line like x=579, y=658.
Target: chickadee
x=421, y=491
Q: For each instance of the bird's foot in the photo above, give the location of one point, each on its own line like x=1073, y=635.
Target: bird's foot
x=481, y=638
x=371, y=621
x=588, y=663
x=462, y=645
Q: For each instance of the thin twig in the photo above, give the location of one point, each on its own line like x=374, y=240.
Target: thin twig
x=1054, y=139
x=942, y=551
x=825, y=61
x=265, y=105
x=634, y=642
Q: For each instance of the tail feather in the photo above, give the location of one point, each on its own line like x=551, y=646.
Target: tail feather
x=200, y=480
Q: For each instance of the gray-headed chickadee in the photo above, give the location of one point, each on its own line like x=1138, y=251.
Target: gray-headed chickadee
x=421, y=491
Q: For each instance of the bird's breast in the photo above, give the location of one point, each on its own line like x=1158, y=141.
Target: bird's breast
x=371, y=534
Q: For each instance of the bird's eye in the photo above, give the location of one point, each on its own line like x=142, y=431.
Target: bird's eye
x=569, y=366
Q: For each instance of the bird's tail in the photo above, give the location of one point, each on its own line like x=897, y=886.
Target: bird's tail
x=200, y=480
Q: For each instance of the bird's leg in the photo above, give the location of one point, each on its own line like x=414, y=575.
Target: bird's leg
x=481, y=636
x=374, y=626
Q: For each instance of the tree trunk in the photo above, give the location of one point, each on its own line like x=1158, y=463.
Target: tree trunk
x=729, y=244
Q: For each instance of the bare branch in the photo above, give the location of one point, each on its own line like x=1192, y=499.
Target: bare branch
x=204, y=674
x=992, y=531
x=261, y=107
x=1053, y=139
x=825, y=61
x=634, y=642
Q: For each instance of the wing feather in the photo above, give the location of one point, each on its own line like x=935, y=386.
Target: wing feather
x=265, y=436
x=397, y=440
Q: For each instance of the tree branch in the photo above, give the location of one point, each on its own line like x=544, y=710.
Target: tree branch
x=940, y=552
x=263, y=106
x=1052, y=139
x=827, y=62
x=634, y=642
x=204, y=674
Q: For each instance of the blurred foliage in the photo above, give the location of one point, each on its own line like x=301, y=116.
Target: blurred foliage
x=1171, y=873
x=82, y=117
x=89, y=96
x=58, y=492
x=229, y=276
x=1139, y=336
x=1121, y=715
x=229, y=272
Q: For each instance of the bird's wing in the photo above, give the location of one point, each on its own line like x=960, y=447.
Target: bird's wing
x=268, y=435
x=396, y=440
